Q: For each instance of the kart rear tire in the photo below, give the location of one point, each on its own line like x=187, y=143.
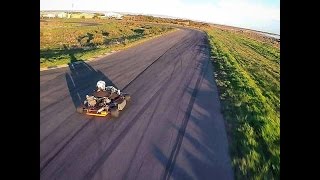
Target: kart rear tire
x=80, y=109
x=114, y=112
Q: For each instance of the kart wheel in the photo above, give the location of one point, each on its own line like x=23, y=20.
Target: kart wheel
x=80, y=109
x=127, y=97
x=114, y=112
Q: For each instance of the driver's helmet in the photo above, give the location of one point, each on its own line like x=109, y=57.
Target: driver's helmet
x=101, y=85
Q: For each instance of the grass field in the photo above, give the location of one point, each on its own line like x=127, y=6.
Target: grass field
x=66, y=40
x=247, y=73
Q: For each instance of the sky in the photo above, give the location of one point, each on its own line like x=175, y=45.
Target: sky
x=263, y=15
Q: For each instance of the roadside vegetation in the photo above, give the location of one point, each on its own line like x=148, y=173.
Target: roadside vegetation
x=177, y=22
x=247, y=72
x=66, y=40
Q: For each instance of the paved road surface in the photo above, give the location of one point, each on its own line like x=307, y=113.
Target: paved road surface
x=172, y=128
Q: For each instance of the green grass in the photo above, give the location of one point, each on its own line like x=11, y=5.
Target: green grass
x=65, y=40
x=247, y=73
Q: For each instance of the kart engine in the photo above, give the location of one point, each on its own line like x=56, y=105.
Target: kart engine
x=103, y=102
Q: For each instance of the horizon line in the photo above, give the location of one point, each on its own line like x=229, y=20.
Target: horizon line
x=172, y=17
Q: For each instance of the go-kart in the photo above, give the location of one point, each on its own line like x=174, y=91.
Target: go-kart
x=102, y=106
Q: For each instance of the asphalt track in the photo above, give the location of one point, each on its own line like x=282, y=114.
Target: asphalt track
x=172, y=128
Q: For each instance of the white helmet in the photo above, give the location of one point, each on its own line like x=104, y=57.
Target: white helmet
x=101, y=85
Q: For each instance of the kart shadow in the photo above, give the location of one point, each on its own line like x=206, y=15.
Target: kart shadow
x=82, y=79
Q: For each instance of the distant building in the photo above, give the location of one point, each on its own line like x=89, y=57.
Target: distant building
x=79, y=15
x=113, y=15
x=63, y=15
x=49, y=15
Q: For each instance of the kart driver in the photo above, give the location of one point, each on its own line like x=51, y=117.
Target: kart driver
x=102, y=90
